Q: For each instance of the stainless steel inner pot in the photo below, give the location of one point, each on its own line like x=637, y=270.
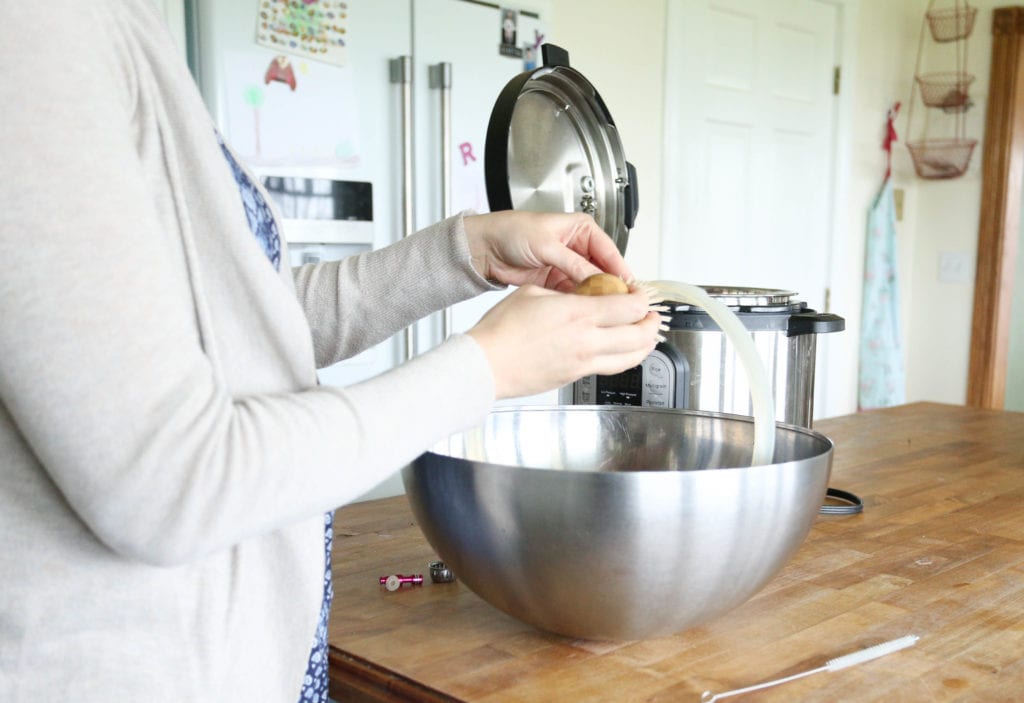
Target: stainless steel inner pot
x=613, y=522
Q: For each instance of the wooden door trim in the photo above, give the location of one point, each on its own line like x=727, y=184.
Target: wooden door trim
x=999, y=222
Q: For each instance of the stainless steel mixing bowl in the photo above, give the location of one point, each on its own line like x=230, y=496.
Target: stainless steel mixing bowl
x=605, y=522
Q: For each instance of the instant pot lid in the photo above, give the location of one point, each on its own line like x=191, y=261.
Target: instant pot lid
x=552, y=146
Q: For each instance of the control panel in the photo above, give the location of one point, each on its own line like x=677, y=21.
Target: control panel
x=660, y=381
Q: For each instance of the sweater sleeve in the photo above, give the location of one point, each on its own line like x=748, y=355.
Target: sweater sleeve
x=103, y=372
x=357, y=302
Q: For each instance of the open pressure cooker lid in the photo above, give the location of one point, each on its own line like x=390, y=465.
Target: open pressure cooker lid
x=552, y=146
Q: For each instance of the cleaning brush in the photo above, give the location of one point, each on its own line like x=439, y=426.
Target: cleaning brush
x=847, y=660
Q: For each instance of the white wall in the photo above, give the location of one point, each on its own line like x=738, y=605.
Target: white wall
x=946, y=220
x=939, y=216
x=878, y=65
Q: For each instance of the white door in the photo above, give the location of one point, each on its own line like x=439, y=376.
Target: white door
x=750, y=119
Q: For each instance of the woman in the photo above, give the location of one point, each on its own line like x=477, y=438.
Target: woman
x=166, y=455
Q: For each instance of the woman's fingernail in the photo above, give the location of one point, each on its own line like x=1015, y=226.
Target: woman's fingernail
x=661, y=338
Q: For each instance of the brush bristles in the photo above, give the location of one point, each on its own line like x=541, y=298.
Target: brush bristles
x=654, y=296
x=654, y=302
x=879, y=650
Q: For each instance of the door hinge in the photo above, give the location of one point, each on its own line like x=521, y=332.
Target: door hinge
x=836, y=77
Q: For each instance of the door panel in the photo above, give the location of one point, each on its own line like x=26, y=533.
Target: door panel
x=749, y=139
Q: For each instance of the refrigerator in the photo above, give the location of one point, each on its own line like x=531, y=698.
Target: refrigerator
x=366, y=121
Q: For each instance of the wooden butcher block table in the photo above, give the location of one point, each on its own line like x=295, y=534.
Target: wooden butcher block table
x=938, y=552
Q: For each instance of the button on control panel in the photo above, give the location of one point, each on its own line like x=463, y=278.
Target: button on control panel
x=658, y=382
x=585, y=391
x=659, y=379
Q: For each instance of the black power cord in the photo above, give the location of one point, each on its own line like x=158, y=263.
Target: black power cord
x=852, y=504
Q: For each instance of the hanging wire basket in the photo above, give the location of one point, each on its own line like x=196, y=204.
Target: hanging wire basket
x=941, y=158
x=949, y=157
x=952, y=23
x=946, y=89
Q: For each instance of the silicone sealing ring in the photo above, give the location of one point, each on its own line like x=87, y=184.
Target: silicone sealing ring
x=440, y=573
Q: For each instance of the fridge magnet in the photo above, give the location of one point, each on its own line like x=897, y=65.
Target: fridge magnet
x=314, y=29
x=466, y=151
x=280, y=69
x=509, y=30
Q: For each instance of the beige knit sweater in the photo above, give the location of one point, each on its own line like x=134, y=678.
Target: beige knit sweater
x=165, y=453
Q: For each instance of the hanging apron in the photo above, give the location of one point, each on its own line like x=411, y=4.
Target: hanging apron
x=882, y=380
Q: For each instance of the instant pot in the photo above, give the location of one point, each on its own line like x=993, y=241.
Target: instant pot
x=697, y=368
x=553, y=146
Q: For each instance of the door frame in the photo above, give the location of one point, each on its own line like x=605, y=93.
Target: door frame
x=1002, y=182
x=838, y=355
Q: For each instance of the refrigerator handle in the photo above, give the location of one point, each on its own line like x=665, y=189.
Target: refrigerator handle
x=441, y=78
x=401, y=73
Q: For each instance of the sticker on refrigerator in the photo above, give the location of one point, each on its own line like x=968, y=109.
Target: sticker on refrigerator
x=468, y=190
x=309, y=116
x=314, y=29
x=466, y=152
x=280, y=69
x=509, y=31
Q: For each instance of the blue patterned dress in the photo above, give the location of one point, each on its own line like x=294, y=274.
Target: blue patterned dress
x=262, y=224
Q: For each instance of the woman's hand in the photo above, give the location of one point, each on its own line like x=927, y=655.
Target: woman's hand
x=537, y=340
x=551, y=250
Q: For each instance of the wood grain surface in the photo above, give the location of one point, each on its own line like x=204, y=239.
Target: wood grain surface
x=937, y=552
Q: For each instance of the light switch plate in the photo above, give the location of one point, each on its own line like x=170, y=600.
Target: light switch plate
x=955, y=267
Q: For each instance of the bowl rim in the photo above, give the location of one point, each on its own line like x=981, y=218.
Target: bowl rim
x=829, y=445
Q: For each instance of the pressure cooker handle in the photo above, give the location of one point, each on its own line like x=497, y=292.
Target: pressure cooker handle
x=632, y=197
x=553, y=55
x=810, y=322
